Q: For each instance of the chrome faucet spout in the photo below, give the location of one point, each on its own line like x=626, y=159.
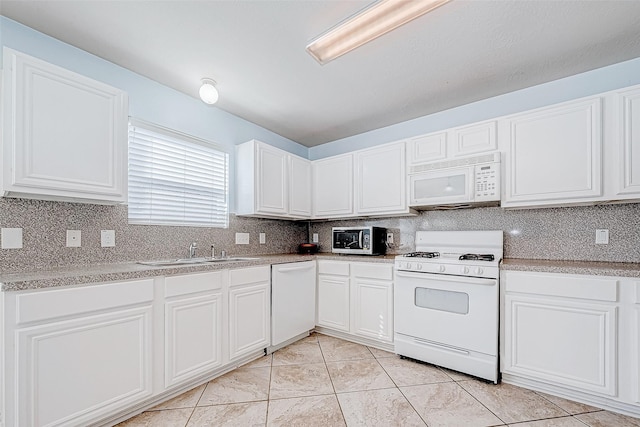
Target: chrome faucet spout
x=193, y=247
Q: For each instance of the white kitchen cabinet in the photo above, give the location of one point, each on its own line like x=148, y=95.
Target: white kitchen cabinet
x=554, y=155
x=381, y=180
x=333, y=187
x=372, y=300
x=333, y=295
x=249, y=310
x=293, y=296
x=474, y=138
x=271, y=183
x=627, y=169
x=64, y=135
x=193, y=326
x=427, y=148
x=80, y=353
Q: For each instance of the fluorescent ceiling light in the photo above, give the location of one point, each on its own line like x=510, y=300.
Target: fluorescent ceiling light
x=382, y=17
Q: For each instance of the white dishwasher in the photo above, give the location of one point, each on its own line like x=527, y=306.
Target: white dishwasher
x=293, y=301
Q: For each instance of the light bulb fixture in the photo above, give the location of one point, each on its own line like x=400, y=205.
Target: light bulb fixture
x=208, y=91
x=376, y=20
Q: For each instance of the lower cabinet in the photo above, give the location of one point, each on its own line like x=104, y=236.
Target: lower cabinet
x=249, y=310
x=71, y=365
x=570, y=335
x=193, y=313
x=356, y=298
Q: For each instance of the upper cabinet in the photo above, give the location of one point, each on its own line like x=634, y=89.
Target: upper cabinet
x=554, y=155
x=271, y=183
x=64, y=135
x=627, y=128
x=333, y=187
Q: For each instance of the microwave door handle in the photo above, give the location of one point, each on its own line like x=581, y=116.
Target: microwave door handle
x=361, y=235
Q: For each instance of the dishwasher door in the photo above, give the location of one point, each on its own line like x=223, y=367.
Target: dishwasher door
x=293, y=300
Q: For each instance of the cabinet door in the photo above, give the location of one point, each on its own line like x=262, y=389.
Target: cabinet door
x=476, y=138
x=381, y=180
x=554, y=155
x=372, y=308
x=72, y=371
x=193, y=336
x=563, y=342
x=333, y=302
x=271, y=177
x=333, y=187
x=629, y=127
x=427, y=148
x=65, y=135
x=299, y=187
x=248, y=319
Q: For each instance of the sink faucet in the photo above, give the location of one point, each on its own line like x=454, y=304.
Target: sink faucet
x=192, y=249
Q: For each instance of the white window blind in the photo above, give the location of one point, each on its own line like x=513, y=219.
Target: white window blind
x=176, y=179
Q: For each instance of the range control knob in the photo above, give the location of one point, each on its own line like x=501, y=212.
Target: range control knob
x=464, y=270
x=418, y=266
x=409, y=266
x=441, y=268
x=479, y=271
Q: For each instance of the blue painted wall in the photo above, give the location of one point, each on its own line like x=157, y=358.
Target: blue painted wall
x=580, y=85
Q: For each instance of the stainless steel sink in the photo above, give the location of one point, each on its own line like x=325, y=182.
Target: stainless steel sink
x=188, y=261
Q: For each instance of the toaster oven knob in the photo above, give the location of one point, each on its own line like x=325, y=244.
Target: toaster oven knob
x=464, y=270
x=441, y=268
x=479, y=271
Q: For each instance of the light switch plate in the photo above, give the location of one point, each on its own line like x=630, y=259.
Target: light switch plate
x=390, y=238
x=11, y=238
x=315, y=238
x=107, y=238
x=242, y=238
x=74, y=238
x=602, y=236
x=263, y=238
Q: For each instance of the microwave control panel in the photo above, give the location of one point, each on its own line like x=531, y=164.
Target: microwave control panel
x=487, y=185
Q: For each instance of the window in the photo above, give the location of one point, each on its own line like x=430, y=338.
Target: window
x=176, y=179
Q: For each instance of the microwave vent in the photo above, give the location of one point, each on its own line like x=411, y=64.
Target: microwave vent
x=468, y=161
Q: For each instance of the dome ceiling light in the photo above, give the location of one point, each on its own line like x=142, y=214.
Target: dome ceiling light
x=208, y=92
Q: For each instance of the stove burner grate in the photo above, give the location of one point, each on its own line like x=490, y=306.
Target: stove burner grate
x=423, y=255
x=477, y=257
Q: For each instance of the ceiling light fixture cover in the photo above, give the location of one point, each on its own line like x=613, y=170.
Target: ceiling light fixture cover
x=208, y=91
x=376, y=20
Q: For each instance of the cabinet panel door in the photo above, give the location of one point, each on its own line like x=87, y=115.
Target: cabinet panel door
x=73, y=371
x=271, y=179
x=555, y=154
x=372, y=309
x=333, y=187
x=333, y=302
x=427, y=148
x=193, y=337
x=562, y=342
x=477, y=138
x=381, y=179
x=629, y=179
x=65, y=134
x=248, y=319
x=299, y=187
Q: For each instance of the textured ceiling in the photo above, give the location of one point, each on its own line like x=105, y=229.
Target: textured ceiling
x=462, y=52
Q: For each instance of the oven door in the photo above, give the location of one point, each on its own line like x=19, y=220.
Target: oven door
x=442, y=187
x=455, y=311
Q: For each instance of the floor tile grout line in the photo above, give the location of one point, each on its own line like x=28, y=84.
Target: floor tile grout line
x=413, y=407
x=480, y=402
x=266, y=416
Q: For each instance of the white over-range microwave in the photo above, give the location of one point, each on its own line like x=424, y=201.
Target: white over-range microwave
x=458, y=183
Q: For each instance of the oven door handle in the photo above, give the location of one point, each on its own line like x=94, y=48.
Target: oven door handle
x=446, y=278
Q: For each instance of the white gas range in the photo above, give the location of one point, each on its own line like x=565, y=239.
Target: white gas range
x=446, y=300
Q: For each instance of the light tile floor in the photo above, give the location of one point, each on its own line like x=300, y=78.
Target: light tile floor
x=325, y=381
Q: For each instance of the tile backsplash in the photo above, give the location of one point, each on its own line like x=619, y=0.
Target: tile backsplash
x=552, y=233
x=45, y=223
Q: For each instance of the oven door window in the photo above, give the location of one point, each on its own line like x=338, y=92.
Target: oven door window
x=443, y=300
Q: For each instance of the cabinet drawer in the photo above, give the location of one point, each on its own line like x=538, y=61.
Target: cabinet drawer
x=192, y=283
x=44, y=305
x=245, y=276
x=373, y=271
x=562, y=285
x=339, y=268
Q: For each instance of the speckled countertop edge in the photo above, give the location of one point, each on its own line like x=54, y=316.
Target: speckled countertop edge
x=100, y=273
x=596, y=268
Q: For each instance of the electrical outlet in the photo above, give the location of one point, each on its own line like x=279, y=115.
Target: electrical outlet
x=107, y=238
x=242, y=238
x=263, y=238
x=74, y=238
x=11, y=238
x=315, y=238
x=390, y=238
x=602, y=236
